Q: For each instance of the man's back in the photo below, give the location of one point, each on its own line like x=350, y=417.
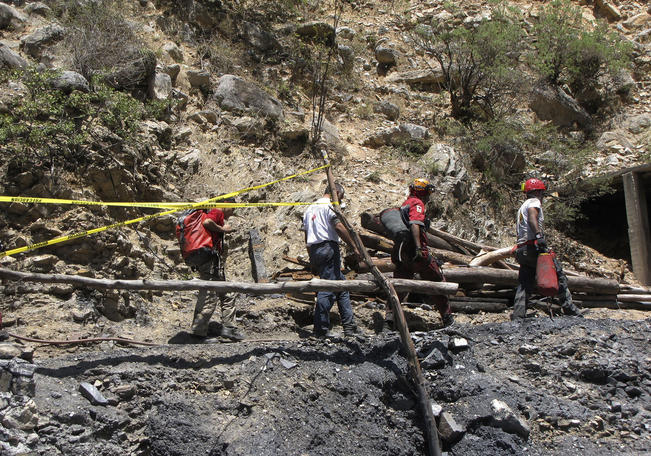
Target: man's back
x=318, y=222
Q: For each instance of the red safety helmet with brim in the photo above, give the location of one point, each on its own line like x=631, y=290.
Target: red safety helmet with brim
x=533, y=184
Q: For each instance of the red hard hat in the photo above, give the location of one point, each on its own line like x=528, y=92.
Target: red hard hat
x=533, y=184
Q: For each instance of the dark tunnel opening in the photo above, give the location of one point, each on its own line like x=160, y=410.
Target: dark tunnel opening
x=604, y=225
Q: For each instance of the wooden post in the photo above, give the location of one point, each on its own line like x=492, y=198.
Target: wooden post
x=638, y=226
x=256, y=253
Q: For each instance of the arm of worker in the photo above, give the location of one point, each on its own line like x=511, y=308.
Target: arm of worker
x=532, y=215
x=415, y=233
x=211, y=226
x=348, y=239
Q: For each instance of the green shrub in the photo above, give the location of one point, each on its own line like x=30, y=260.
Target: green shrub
x=47, y=127
x=479, y=63
x=566, y=51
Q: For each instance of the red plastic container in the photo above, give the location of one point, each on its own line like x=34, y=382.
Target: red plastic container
x=546, y=278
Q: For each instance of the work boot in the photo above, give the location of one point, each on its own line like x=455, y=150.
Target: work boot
x=323, y=334
x=572, y=310
x=350, y=330
x=448, y=320
x=232, y=333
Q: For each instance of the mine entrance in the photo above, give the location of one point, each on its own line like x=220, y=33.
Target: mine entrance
x=604, y=225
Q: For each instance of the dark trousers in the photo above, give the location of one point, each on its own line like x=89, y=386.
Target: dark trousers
x=427, y=269
x=325, y=258
x=527, y=257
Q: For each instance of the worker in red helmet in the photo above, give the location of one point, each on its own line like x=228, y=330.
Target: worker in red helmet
x=530, y=242
x=410, y=253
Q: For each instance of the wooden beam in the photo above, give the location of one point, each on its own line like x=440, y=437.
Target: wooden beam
x=491, y=257
x=256, y=254
x=382, y=244
x=638, y=226
x=366, y=286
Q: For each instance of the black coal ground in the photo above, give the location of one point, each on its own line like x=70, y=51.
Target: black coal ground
x=581, y=385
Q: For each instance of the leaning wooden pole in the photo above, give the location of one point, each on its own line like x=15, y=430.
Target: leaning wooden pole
x=400, y=321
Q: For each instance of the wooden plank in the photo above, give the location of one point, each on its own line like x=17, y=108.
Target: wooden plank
x=256, y=254
x=638, y=226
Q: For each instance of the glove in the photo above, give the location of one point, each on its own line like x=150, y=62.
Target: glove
x=419, y=256
x=540, y=243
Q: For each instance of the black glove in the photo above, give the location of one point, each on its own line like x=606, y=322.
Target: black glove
x=419, y=256
x=540, y=243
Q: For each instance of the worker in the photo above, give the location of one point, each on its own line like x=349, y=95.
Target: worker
x=322, y=231
x=530, y=242
x=410, y=254
x=203, y=249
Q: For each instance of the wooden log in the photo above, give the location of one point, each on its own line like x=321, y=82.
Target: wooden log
x=386, y=245
x=634, y=289
x=634, y=298
x=477, y=306
x=457, y=240
x=366, y=286
x=256, y=254
x=491, y=257
x=368, y=221
x=297, y=261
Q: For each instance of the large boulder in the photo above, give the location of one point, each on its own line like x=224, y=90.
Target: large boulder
x=552, y=103
x=258, y=38
x=10, y=17
x=69, y=81
x=136, y=72
x=315, y=31
x=608, y=9
x=638, y=124
x=390, y=110
x=10, y=59
x=398, y=135
x=35, y=43
x=160, y=86
x=387, y=55
x=235, y=94
x=428, y=77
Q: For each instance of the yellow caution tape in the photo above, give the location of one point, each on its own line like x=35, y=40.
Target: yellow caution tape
x=149, y=217
x=171, y=205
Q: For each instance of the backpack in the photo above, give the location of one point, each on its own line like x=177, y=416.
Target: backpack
x=191, y=233
x=395, y=221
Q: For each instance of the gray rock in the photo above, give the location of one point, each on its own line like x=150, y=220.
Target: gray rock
x=638, y=124
x=137, y=73
x=316, y=31
x=160, y=86
x=623, y=82
x=528, y=349
x=125, y=392
x=388, y=109
x=437, y=358
x=458, y=344
x=38, y=8
x=347, y=55
x=449, y=429
x=23, y=417
x=9, y=350
x=191, y=160
x=443, y=159
x=23, y=386
x=92, y=394
x=436, y=409
x=397, y=135
x=249, y=126
x=199, y=79
x=5, y=380
x=608, y=9
x=33, y=44
x=21, y=368
x=173, y=51
x=173, y=70
x=287, y=364
x=10, y=59
x=10, y=17
x=552, y=103
x=69, y=81
x=258, y=38
x=614, y=141
x=83, y=315
x=41, y=263
x=427, y=77
x=386, y=55
x=235, y=94
x=345, y=33
x=504, y=418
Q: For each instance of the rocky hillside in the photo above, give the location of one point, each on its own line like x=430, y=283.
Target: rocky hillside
x=168, y=101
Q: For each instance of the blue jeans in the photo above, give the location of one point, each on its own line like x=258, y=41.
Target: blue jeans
x=325, y=258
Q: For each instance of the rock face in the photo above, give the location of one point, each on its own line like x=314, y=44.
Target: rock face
x=35, y=43
x=235, y=94
x=9, y=59
x=397, y=135
x=10, y=17
x=160, y=87
x=69, y=81
x=552, y=103
x=418, y=77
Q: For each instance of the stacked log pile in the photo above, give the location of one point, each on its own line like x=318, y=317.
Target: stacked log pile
x=492, y=288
